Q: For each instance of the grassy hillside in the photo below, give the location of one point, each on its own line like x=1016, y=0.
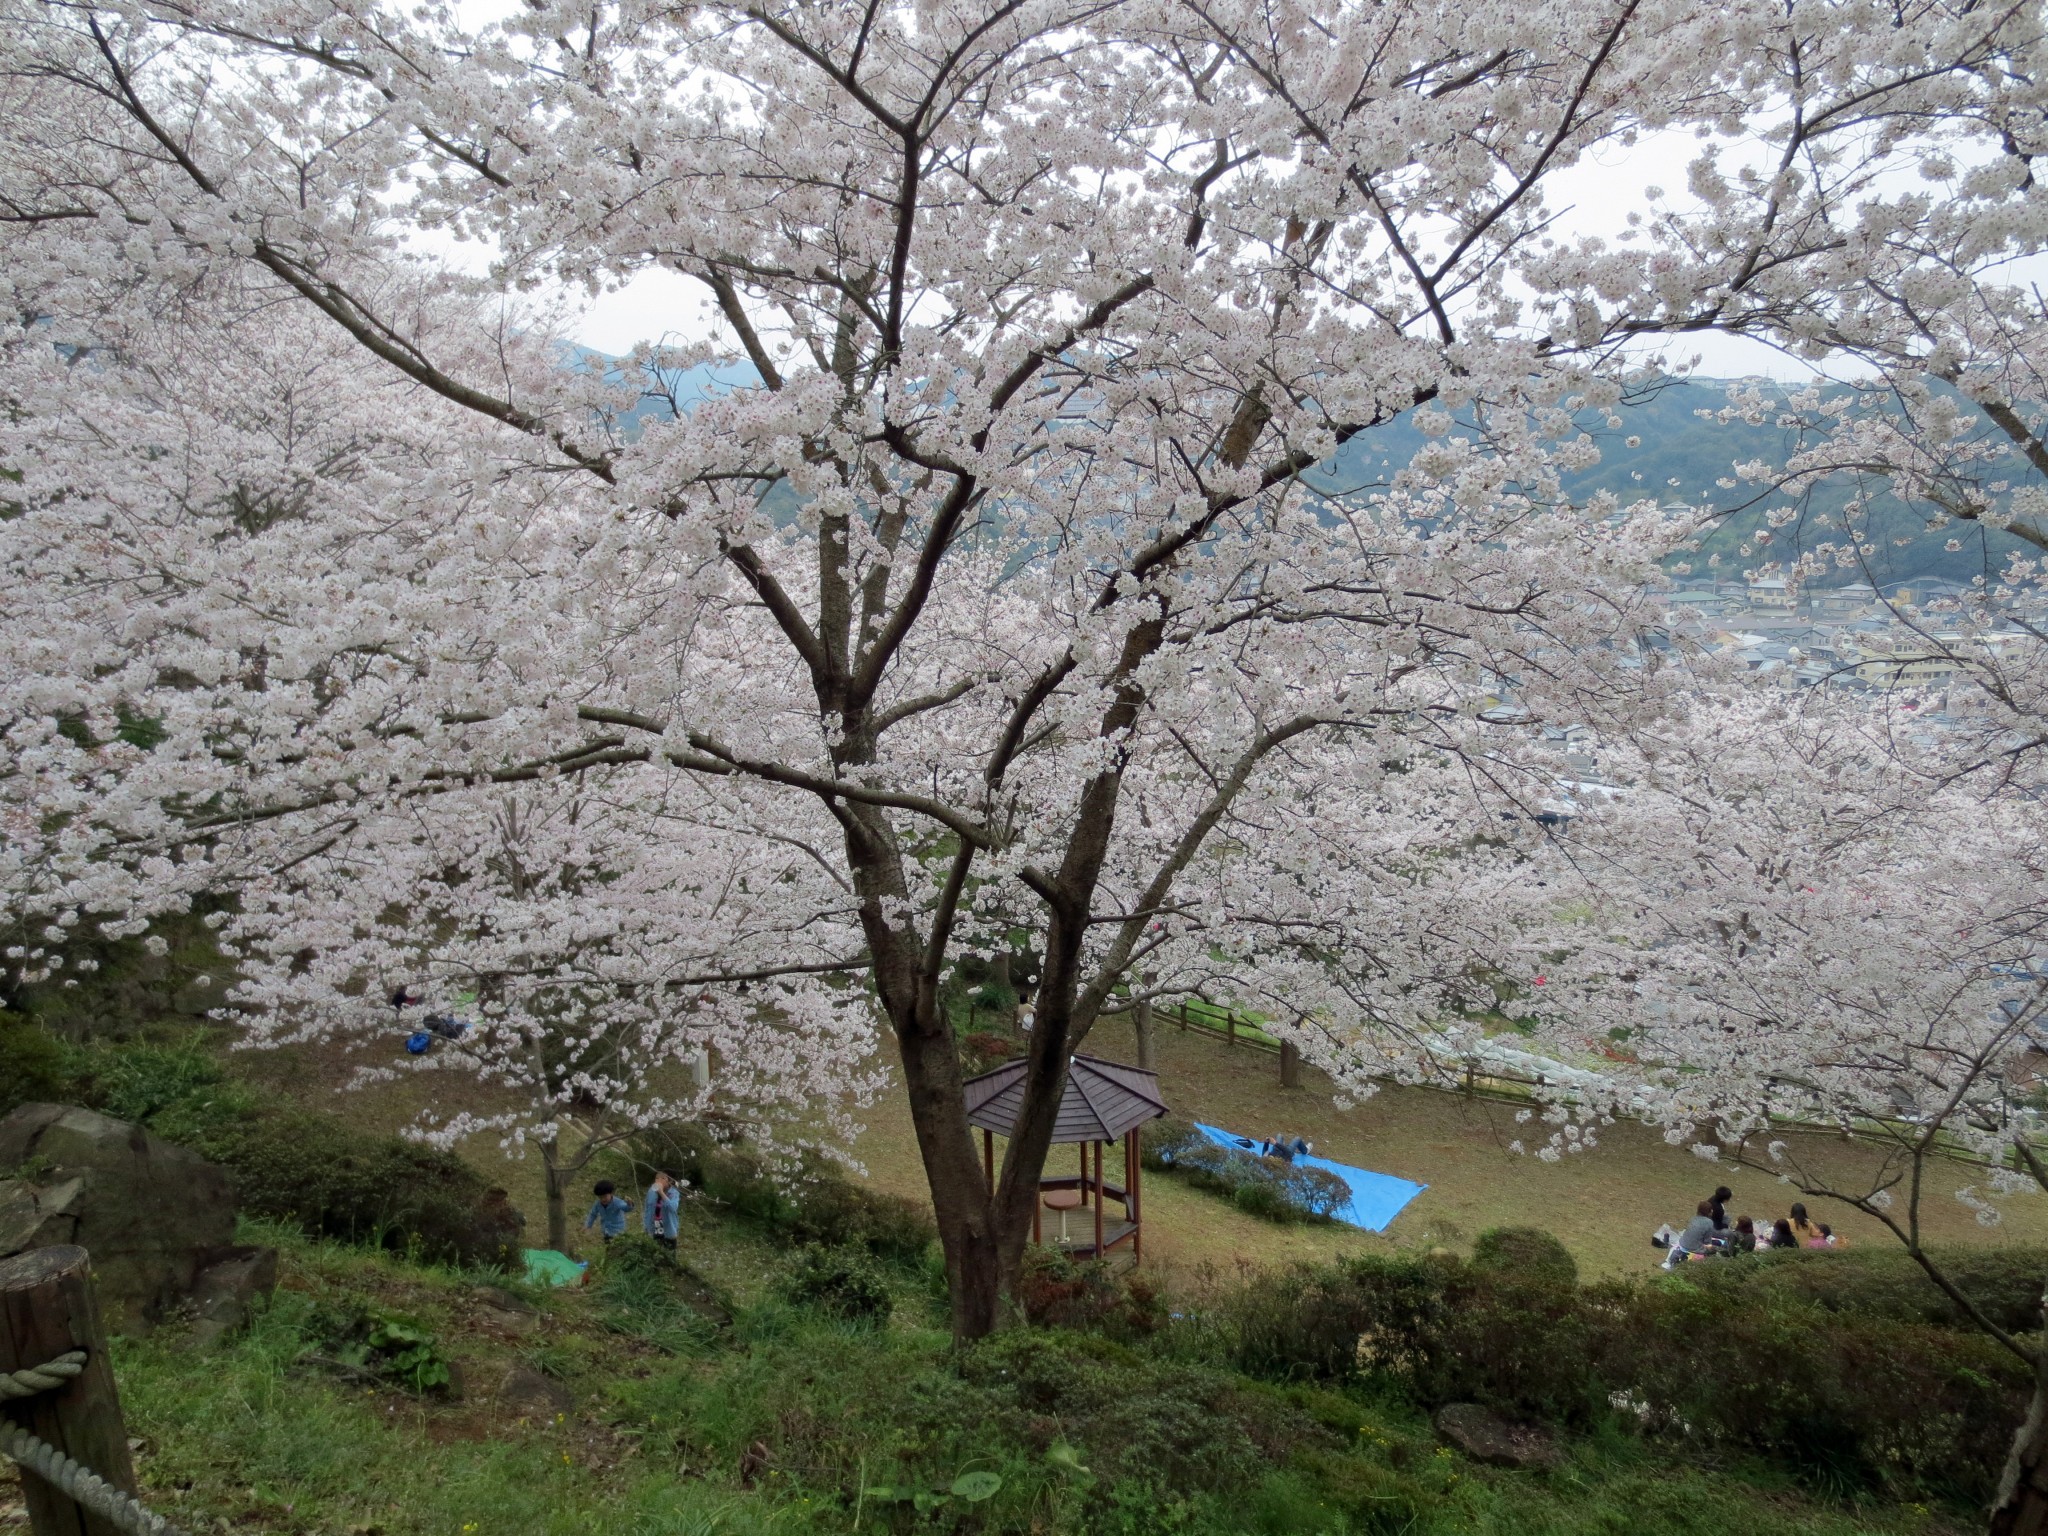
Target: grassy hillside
x=614, y=1408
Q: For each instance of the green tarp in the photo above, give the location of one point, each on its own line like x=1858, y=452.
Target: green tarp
x=544, y=1266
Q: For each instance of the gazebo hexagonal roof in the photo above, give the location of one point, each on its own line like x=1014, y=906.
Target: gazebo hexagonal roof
x=1103, y=1099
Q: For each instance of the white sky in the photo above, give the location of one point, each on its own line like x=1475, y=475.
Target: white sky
x=1593, y=197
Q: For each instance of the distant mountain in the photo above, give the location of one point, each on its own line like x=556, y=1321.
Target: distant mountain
x=1681, y=455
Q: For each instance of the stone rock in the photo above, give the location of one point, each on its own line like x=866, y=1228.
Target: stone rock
x=226, y=1291
x=515, y=1325
x=151, y=1214
x=36, y=1215
x=528, y=1394
x=1485, y=1436
x=502, y=1300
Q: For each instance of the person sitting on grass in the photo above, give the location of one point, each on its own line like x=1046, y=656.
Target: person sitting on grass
x=1693, y=1242
x=1823, y=1237
x=664, y=1199
x=1802, y=1229
x=1743, y=1238
x=1781, y=1234
x=608, y=1212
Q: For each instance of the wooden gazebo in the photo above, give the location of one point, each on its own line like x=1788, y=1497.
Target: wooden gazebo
x=1104, y=1102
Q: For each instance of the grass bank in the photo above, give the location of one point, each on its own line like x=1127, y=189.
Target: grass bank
x=619, y=1408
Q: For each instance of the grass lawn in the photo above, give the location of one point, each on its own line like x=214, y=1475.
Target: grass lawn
x=1603, y=1203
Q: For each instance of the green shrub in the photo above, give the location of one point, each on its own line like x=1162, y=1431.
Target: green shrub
x=812, y=1203
x=1161, y=1141
x=1879, y=1282
x=1527, y=1251
x=1268, y=1187
x=35, y=1066
x=636, y=1257
x=842, y=1283
x=1852, y=1400
x=329, y=1179
x=1315, y=1191
x=313, y=1171
x=1055, y=1291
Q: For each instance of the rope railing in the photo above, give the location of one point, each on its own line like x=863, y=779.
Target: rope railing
x=78, y=1483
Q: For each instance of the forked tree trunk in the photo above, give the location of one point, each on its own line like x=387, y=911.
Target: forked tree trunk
x=960, y=1200
x=984, y=1237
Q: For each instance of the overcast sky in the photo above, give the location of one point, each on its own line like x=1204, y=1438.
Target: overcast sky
x=1594, y=197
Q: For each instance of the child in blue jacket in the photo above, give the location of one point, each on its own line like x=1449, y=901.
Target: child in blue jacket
x=608, y=1214
x=658, y=1211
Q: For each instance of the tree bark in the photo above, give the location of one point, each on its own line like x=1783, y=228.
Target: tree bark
x=1290, y=1065
x=2021, y=1506
x=959, y=1185
x=1141, y=1026
x=558, y=1202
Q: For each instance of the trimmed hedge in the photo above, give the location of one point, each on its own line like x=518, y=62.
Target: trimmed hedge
x=1857, y=1400
x=1529, y=1251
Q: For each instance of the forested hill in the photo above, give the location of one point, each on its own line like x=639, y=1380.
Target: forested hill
x=1683, y=452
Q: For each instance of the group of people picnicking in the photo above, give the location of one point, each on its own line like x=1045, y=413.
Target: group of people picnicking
x=1710, y=1234
x=658, y=1210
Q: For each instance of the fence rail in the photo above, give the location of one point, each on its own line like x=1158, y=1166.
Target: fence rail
x=1238, y=1030
x=1227, y=1024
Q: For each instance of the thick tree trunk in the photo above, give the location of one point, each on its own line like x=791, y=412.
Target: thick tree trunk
x=2021, y=1507
x=1290, y=1065
x=1141, y=1026
x=960, y=1199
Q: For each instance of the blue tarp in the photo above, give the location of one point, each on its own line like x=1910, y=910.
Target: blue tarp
x=1376, y=1198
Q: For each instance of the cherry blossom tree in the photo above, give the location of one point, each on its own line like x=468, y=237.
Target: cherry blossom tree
x=1009, y=581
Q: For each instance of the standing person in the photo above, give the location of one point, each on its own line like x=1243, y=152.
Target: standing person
x=608, y=1211
x=658, y=1213
x=1719, y=1207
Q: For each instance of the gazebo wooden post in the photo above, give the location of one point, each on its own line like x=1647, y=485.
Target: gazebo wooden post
x=1098, y=1197
x=1037, y=1213
x=1133, y=1160
x=988, y=1157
